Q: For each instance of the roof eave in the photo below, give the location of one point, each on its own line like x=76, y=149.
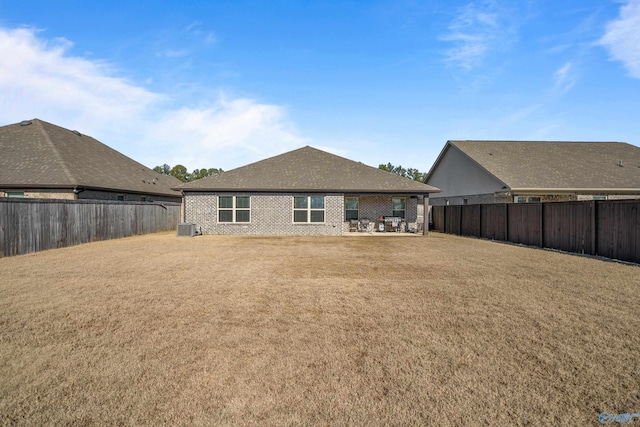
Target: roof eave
x=311, y=190
x=85, y=187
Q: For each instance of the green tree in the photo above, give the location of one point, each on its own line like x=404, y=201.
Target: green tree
x=163, y=170
x=180, y=172
x=410, y=173
x=183, y=174
x=203, y=173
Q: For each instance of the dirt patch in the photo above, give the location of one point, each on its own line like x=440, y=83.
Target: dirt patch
x=217, y=330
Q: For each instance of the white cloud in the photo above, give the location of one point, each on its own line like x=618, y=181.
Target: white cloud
x=622, y=38
x=564, y=78
x=231, y=131
x=41, y=78
x=195, y=29
x=173, y=53
x=474, y=32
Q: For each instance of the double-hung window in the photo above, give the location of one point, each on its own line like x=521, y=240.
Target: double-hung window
x=351, y=208
x=399, y=206
x=234, y=209
x=308, y=209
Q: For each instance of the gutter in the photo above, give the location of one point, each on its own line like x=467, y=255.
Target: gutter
x=569, y=191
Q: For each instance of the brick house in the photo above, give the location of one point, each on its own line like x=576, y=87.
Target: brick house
x=304, y=192
x=45, y=161
x=478, y=172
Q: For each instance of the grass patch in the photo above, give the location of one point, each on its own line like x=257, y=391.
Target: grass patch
x=213, y=330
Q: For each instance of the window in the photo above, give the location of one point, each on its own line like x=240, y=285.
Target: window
x=120, y=197
x=234, y=209
x=599, y=197
x=308, y=209
x=399, y=207
x=19, y=194
x=534, y=199
x=521, y=200
x=351, y=208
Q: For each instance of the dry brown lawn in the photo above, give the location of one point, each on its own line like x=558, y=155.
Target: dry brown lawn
x=213, y=330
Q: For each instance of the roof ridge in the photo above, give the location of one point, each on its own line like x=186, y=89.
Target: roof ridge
x=308, y=169
x=528, y=141
x=56, y=153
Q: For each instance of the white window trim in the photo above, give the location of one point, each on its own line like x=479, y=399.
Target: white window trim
x=308, y=210
x=233, y=210
x=345, y=207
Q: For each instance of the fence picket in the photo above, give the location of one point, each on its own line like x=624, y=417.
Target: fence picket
x=607, y=228
x=31, y=225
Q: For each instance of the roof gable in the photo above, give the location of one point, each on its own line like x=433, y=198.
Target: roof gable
x=38, y=154
x=305, y=170
x=527, y=165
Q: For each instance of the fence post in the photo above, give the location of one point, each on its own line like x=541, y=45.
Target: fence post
x=594, y=227
x=506, y=222
x=541, y=225
x=444, y=219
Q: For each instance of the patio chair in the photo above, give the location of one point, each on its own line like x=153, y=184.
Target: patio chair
x=364, y=225
x=353, y=225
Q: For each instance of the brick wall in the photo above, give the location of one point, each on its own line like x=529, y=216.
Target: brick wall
x=271, y=214
x=581, y=197
x=492, y=198
x=90, y=195
x=474, y=199
x=42, y=194
x=128, y=197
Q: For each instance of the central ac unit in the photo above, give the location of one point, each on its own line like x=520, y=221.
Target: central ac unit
x=186, y=229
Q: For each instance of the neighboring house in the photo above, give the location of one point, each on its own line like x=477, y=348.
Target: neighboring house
x=303, y=192
x=42, y=160
x=471, y=172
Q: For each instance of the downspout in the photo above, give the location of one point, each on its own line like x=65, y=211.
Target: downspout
x=425, y=215
x=77, y=191
x=184, y=207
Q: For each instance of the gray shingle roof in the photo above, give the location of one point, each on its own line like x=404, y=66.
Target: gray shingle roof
x=309, y=170
x=43, y=155
x=557, y=164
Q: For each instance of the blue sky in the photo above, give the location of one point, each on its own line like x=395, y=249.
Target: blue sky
x=226, y=83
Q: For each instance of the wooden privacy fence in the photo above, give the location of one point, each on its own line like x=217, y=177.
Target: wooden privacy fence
x=30, y=225
x=606, y=228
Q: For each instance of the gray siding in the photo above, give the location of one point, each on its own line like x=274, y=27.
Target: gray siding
x=457, y=175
